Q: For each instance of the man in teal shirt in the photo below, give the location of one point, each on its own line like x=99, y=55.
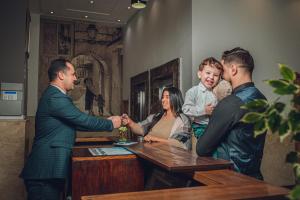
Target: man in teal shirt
x=56, y=122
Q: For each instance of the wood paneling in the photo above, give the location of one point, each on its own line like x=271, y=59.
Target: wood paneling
x=164, y=75
x=139, y=83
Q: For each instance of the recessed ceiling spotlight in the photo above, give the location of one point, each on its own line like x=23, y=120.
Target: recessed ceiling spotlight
x=118, y=20
x=128, y=7
x=51, y=12
x=91, y=1
x=138, y=4
x=86, y=16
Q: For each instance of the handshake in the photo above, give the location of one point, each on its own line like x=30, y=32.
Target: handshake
x=120, y=120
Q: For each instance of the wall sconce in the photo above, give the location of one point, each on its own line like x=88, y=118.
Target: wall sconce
x=138, y=4
x=92, y=31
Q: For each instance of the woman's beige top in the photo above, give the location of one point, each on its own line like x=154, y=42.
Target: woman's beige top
x=178, y=132
x=162, y=128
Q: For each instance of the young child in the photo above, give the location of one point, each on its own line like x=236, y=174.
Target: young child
x=200, y=100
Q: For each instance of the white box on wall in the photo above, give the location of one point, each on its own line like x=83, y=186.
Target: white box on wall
x=11, y=100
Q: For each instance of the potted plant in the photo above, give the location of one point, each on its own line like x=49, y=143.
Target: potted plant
x=123, y=134
x=280, y=118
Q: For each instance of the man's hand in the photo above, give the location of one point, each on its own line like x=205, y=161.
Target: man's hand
x=126, y=120
x=116, y=120
x=209, y=109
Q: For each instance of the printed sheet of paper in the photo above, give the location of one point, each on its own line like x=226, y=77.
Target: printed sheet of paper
x=109, y=151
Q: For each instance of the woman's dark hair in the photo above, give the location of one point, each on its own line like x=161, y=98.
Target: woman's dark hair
x=240, y=56
x=57, y=66
x=176, y=102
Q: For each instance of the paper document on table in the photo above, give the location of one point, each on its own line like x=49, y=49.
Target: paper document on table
x=109, y=151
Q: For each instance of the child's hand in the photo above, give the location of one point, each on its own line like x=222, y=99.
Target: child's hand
x=209, y=109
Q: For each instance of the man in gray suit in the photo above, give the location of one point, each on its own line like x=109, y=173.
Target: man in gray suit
x=56, y=122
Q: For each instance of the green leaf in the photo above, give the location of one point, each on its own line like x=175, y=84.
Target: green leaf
x=287, y=73
x=123, y=129
x=273, y=121
x=251, y=117
x=270, y=109
x=283, y=130
x=296, y=168
x=260, y=127
x=255, y=105
x=279, y=106
x=292, y=157
x=294, y=119
x=287, y=90
x=277, y=83
x=295, y=193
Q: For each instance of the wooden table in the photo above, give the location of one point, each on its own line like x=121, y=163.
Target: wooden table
x=176, y=159
x=92, y=141
x=99, y=175
x=104, y=174
x=255, y=191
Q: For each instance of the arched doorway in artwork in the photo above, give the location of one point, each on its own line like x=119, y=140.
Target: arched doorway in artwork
x=92, y=93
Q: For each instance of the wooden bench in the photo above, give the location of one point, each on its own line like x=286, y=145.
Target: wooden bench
x=220, y=184
x=223, y=177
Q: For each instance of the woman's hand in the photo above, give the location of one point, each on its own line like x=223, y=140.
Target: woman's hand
x=149, y=138
x=134, y=127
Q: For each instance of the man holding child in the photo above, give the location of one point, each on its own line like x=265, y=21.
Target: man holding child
x=226, y=137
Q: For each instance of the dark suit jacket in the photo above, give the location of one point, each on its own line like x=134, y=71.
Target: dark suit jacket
x=56, y=122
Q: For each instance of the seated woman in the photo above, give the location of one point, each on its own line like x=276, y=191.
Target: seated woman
x=170, y=125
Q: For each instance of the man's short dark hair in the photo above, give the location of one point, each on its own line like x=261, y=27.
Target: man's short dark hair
x=57, y=66
x=240, y=56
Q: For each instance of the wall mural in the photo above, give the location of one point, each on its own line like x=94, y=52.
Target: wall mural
x=95, y=52
x=64, y=38
x=91, y=92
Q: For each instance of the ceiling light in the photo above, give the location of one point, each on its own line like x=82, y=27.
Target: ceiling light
x=91, y=2
x=128, y=7
x=138, y=4
x=118, y=20
x=51, y=12
x=86, y=16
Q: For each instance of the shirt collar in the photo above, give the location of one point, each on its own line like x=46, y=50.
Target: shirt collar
x=58, y=88
x=202, y=87
x=241, y=87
